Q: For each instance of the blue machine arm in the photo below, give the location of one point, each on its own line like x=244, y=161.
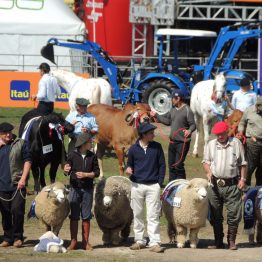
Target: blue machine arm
x=227, y=34
x=96, y=51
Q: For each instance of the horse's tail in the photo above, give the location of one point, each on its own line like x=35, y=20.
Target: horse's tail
x=96, y=95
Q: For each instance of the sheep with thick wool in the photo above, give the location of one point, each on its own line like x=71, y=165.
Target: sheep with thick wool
x=112, y=209
x=191, y=213
x=52, y=206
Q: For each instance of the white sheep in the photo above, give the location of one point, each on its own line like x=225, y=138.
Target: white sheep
x=112, y=209
x=52, y=206
x=189, y=213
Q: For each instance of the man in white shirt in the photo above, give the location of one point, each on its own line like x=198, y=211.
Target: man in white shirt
x=244, y=97
x=48, y=89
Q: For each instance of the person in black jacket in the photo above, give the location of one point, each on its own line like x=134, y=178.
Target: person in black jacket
x=146, y=168
x=82, y=167
x=15, y=164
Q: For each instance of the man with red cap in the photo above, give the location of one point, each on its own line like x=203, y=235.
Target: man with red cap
x=225, y=165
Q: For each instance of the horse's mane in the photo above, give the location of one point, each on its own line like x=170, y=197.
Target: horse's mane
x=53, y=118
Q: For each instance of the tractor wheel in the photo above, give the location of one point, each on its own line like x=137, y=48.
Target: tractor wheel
x=157, y=96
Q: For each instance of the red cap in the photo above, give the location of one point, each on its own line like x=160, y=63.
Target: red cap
x=219, y=127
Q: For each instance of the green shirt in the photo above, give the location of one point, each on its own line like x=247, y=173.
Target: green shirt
x=251, y=123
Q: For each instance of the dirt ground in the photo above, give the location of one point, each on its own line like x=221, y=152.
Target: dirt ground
x=122, y=253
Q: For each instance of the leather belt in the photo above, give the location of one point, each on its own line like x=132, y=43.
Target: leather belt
x=222, y=182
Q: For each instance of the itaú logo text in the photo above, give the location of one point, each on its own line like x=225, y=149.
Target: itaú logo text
x=19, y=90
x=63, y=97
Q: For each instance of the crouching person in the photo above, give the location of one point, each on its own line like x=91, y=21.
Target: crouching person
x=146, y=167
x=15, y=164
x=82, y=167
x=225, y=166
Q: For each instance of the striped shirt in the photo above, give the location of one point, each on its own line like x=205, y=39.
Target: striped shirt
x=225, y=160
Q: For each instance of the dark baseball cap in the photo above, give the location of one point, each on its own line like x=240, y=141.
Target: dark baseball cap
x=177, y=93
x=6, y=127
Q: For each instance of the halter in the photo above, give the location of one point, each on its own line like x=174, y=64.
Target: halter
x=137, y=116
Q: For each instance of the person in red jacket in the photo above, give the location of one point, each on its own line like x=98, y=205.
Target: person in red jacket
x=82, y=167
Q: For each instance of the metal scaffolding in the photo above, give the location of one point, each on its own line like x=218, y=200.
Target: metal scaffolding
x=157, y=13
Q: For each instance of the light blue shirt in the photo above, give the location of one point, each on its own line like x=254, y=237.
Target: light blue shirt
x=48, y=89
x=86, y=120
x=219, y=110
x=242, y=100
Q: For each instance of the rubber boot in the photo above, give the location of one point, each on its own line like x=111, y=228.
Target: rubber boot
x=219, y=235
x=73, y=232
x=231, y=237
x=85, y=235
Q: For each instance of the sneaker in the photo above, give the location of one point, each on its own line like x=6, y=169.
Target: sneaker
x=157, y=249
x=137, y=246
x=18, y=243
x=5, y=244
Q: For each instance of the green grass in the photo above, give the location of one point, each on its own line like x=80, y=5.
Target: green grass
x=13, y=115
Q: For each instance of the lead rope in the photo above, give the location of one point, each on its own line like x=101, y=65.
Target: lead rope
x=13, y=197
x=171, y=142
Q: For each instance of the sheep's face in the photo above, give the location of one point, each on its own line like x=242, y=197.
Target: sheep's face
x=57, y=194
x=107, y=201
x=199, y=185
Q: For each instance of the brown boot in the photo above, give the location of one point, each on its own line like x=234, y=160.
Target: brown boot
x=85, y=235
x=73, y=232
x=231, y=237
x=219, y=235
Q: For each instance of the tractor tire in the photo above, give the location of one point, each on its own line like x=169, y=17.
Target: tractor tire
x=157, y=95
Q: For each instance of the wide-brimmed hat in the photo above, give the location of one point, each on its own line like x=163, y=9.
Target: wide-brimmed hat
x=145, y=127
x=6, y=127
x=219, y=128
x=82, y=139
x=259, y=103
x=82, y=102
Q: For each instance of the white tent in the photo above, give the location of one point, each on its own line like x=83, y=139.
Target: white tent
x=26, y=26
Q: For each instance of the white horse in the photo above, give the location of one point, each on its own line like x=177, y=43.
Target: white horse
x=96, y=90
x=200, y=104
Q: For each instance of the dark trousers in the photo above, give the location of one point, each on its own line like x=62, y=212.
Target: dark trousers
x=45, y=108
x=231, y=197
x=177, y=171
x=13, y=215
x=254, y=161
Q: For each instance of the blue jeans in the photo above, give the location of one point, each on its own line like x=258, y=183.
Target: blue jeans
x=81, y=201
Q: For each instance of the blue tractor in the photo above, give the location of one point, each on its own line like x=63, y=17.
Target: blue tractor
x=155, y=87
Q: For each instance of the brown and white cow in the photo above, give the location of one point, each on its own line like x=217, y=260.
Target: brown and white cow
x=117, y=129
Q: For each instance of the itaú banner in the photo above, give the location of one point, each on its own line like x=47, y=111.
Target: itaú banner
x=16, y=88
